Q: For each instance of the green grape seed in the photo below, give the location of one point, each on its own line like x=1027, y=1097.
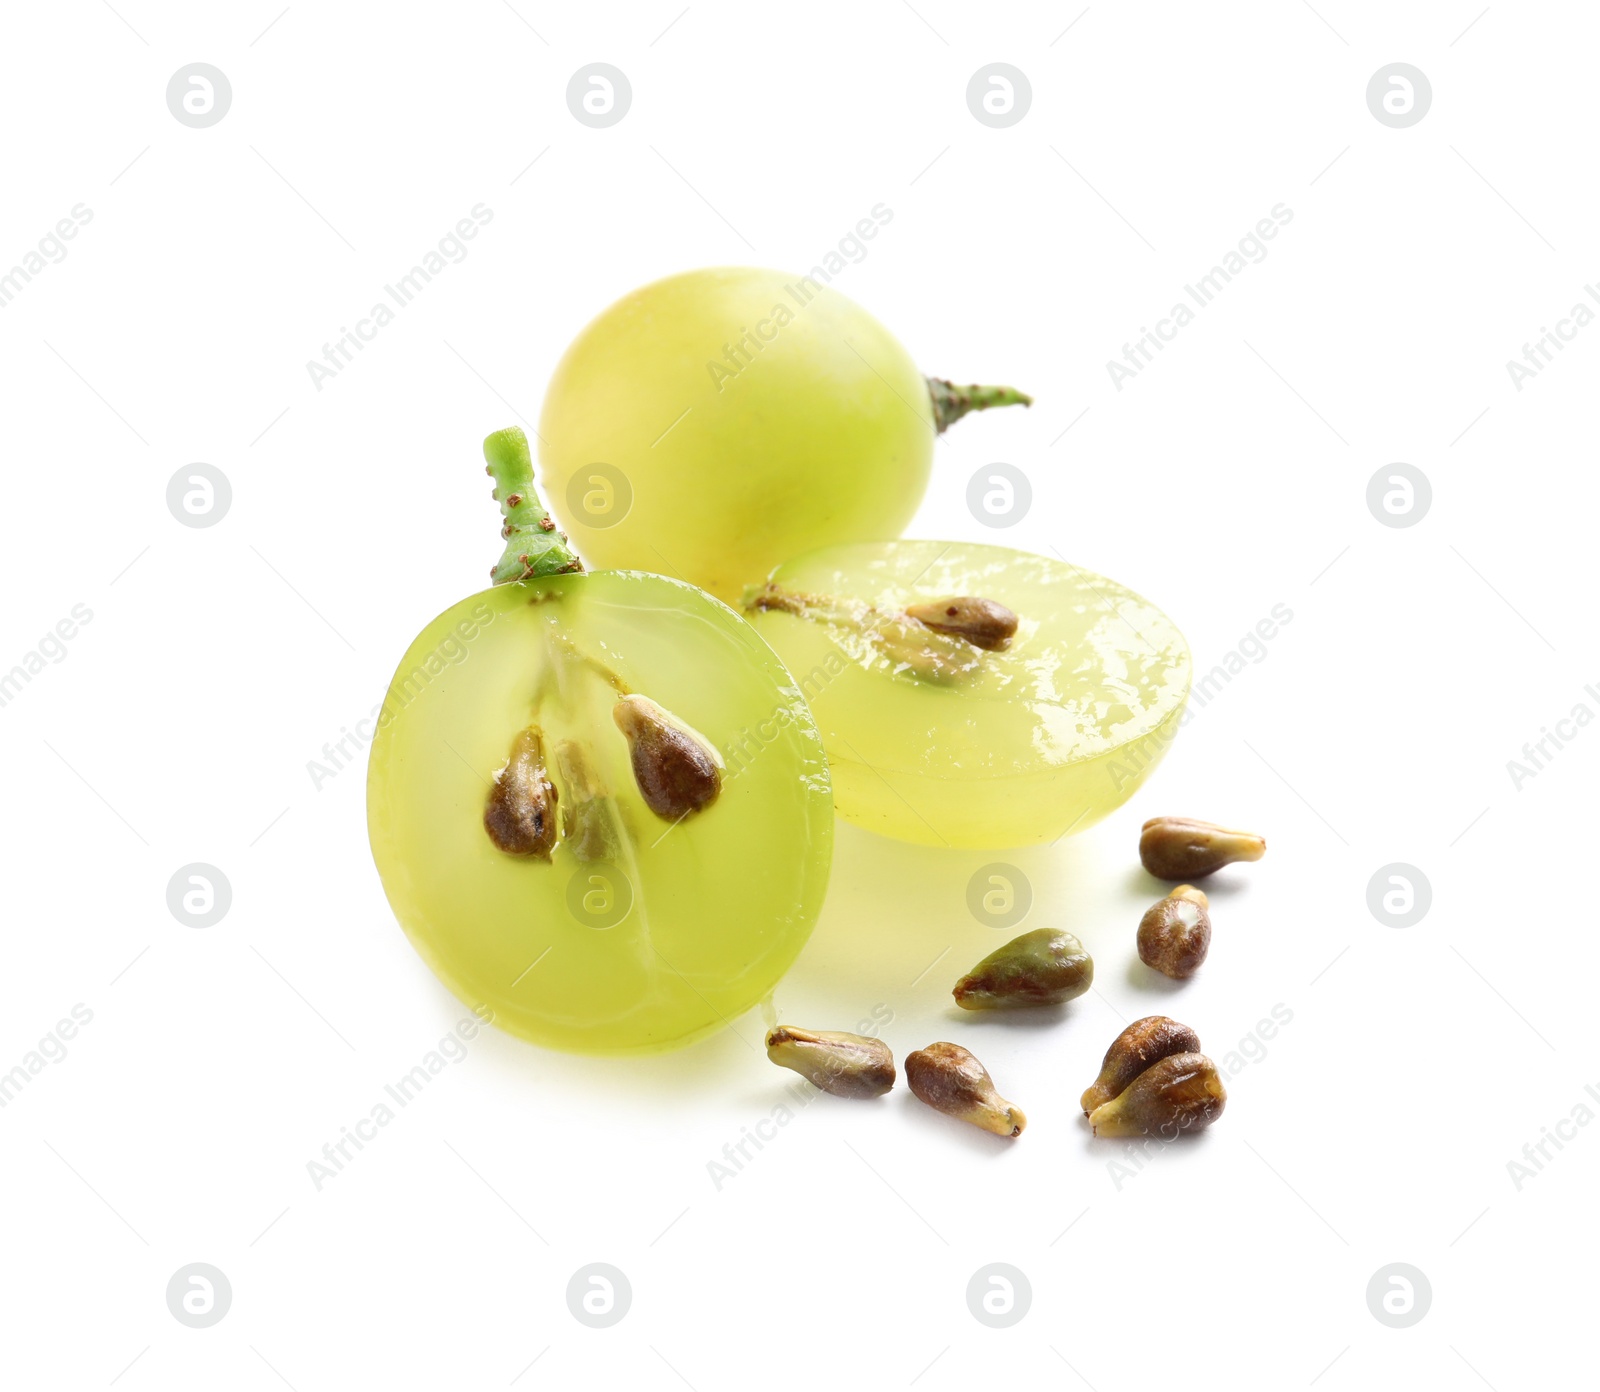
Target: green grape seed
x=847, y=1065
x=950, y=1080
x=905, y=643
x=1143, y=1043
x=1175, y=934
x=1044, y=967
x=520, y=813
x=982, y=622
x=1185, y=848
x=1181, y=1092
x=678, y=773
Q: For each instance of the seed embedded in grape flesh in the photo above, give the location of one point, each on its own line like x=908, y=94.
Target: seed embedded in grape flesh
x=678, y=773
x=982, y=622
x=907, y=643
x=520, y=812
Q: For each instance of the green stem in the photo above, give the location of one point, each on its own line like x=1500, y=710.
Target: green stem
x=533, y=545
x=951, y=402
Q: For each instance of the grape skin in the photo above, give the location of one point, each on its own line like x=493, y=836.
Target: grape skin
x=824, y=434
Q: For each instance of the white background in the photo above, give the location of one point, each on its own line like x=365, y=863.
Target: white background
x=1230, y=476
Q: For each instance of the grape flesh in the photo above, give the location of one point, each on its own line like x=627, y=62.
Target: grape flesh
x=936, y=740
x=721, y=461
x=611, y=929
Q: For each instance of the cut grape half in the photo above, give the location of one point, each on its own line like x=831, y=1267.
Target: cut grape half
x=1011, y=739
x=509, y=819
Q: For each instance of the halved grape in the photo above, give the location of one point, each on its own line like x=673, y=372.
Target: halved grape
x=600, y=808
x=945, y=726
x=715, y=423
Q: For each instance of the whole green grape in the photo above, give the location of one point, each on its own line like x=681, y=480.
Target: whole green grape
x=715, y=423
x=598, y=805
x=973, y=695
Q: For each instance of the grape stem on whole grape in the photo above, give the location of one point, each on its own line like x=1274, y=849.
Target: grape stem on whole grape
x=533, y=545
x=951, y=402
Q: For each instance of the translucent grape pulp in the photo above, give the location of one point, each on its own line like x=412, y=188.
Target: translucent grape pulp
x=644, y=936
x=1005, y=748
